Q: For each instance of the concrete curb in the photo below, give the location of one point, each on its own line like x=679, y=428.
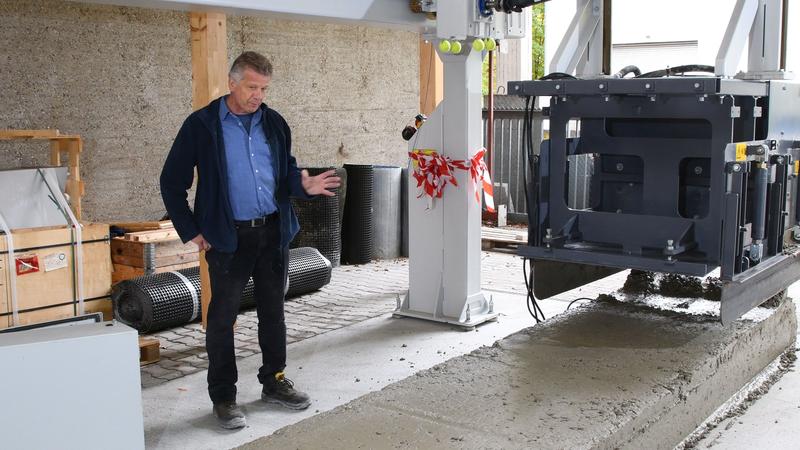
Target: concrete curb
x=603, y=376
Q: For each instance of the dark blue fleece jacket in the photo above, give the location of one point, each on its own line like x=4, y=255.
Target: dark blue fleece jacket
x=199, y=144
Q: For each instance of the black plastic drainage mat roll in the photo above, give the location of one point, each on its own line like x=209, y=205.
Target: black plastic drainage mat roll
x=163, y=300
x=320, y=221
x=357, y=228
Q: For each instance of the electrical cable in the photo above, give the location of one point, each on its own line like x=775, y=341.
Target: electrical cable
x=578, y=299
x=532, y=303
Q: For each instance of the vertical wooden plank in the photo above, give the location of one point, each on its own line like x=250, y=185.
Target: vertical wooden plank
x=55, y=153
x=74, y=183
x=209, y=57
x=431, y=78
x=209, y=81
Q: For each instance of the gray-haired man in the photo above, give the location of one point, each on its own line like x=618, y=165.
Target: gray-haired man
x=242, y=217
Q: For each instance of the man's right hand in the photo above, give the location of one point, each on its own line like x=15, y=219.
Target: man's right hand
x=201, y=243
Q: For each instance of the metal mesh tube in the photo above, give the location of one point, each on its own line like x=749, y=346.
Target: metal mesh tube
x=357, y=229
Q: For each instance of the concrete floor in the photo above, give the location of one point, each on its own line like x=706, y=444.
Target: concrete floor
x=333, y=368
x=345, y=364
x=605, y=376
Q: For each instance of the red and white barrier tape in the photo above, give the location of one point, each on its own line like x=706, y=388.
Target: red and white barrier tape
x=434, y=171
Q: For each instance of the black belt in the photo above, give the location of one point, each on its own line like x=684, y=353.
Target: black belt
x=257, y=222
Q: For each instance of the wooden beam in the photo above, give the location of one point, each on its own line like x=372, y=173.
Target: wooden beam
x=431, y=78
x=209, y=57
x=209, y=81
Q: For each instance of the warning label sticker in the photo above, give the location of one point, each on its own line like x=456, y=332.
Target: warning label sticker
x=55, y=261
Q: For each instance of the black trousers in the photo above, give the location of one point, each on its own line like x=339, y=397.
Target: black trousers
x=259, y=255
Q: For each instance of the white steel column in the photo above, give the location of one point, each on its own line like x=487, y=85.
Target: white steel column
x=444, y=241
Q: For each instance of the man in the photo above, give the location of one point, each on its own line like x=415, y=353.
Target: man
x=244, y=221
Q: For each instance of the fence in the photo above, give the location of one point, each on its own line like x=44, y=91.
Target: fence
x=509, y=159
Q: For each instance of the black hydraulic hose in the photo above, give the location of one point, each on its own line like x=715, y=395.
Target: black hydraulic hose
x=508, y=6
x=628, y=69
x=677, y=70
x=761, y=176
x=558, y=76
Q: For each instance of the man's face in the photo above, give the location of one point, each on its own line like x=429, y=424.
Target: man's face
x=249, y=93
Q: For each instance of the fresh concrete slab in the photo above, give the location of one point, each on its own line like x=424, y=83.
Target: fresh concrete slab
x=768, y=422
x=602, y=376
x=334, y=368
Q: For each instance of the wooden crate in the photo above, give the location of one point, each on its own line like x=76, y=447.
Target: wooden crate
x=149, y=252
x=123, y=272
x=69, y=144
x=49, y=292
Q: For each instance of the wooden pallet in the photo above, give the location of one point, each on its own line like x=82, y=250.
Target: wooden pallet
x=149, y=351
x=502, y=237
x=72, y=145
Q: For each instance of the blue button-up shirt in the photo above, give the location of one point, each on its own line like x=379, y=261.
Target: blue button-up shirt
x=251, y=179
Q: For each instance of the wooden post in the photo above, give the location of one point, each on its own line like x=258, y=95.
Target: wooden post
x=431, y=78
x=209, y=81
x=209, y=57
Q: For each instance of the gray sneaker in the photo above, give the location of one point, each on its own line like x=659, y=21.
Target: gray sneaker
x=229, y=415
x=281, y=390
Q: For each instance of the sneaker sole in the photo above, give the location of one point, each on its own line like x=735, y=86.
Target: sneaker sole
x=233, y=424
x=295, y=406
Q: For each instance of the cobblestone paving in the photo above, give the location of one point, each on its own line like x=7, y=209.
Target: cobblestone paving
x=355, y=293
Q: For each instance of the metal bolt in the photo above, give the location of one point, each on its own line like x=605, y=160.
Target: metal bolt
x=620, y=167
x=601, y=86
x=652, y=98
x=516, y=88
x=670, y=247
x=606, y=98
x=701, y=99
x=698, y=170
x=647, y=85
x=737, y=167
x=697, y=85
x=468, y=315
x=558, y=86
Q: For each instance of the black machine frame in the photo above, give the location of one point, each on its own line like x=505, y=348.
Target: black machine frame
x=691, y=174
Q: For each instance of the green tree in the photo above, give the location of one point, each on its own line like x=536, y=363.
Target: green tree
x=537, y=49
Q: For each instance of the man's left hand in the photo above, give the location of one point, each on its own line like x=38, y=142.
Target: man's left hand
x=321, y=183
